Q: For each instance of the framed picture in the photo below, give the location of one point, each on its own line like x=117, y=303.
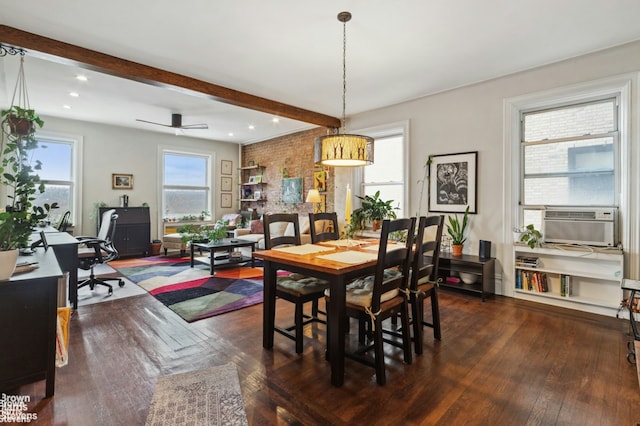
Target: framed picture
x=225, y=183
x=225, y=200
x=257, y=195
x=121, y=181
x=292, y=190
x=251, y=163
x=226, y=167
x=453, y=182
x=320, y=181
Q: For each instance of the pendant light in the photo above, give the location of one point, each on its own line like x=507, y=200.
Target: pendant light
x=342, y=149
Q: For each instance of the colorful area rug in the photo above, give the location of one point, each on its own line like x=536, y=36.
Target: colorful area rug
x=191, y=292
x=202, y=397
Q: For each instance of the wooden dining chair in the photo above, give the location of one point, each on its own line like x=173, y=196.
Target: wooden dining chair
x=324, y=227
x=372, y=299
x=295, y=288
x=424, y=274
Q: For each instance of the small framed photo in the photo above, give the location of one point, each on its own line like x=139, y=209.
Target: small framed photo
x=225, y=183
x=253, y=179
x=121, y=181
x=257, y=195
x=226, y=167
x=226, y=200
x=453, y=182
x=251, y=163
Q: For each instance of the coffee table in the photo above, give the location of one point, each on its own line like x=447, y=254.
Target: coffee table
x=227, y=245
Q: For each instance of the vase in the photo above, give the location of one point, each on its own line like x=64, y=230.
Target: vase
x=375, y=225
x=8, y=260
x=456, y=249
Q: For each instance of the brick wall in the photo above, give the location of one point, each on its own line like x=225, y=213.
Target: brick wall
x=294, y=153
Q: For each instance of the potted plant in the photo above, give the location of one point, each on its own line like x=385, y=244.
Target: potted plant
x=21, y=184
x=531, y=236
x=456, y=230
x=218, y=232
x=204, y=214
x=376, y=210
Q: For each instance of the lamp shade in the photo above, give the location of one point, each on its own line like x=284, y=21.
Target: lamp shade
x=343, y=150
x=313, y=196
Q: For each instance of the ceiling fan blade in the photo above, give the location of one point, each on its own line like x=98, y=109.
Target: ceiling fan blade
x=153, y=122
x=195, y=126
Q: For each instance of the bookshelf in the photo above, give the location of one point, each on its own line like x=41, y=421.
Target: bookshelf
x=450, y=267
x=583, y=278
x=251, y=185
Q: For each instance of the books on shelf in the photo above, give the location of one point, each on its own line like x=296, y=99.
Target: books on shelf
x=527, y=261
x=565, y=285
x=532, y=281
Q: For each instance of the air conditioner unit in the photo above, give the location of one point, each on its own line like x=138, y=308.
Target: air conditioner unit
x=593, y=226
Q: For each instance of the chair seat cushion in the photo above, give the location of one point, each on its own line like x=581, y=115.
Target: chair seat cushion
x=301, y=284
x=360, y=291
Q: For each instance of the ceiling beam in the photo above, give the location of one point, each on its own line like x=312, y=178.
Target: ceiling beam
x=69, y=54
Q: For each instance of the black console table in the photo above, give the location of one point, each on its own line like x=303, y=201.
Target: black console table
x=481, y=270
x=28, y=314
x=133, y=230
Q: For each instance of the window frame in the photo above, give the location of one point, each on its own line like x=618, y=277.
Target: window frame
x=77, y=147
x=210, y=164
x=381, y=132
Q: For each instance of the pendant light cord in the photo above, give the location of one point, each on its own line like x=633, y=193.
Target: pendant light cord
x=344, y=76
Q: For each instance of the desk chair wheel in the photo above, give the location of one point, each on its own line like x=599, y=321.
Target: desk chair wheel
x=631, y=353
x=110, y=292
x=120, y=283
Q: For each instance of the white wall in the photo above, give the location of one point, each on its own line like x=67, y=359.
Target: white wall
x=112, y=149
x=471, y=119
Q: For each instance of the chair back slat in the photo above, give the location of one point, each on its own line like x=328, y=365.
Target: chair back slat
x=427, y=251
x=271, y=240
x=399, y=258
x=328, y=229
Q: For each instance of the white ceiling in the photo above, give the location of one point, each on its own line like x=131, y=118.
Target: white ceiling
x=290, y=51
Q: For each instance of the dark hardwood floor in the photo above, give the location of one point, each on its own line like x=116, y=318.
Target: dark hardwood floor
x=502, y=362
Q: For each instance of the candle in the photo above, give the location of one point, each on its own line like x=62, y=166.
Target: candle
x=347, y=206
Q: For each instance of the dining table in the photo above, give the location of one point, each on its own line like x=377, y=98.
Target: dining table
x=338, y=262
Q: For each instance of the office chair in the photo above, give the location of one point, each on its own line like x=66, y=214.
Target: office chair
x=64, y=222
x=99, y=249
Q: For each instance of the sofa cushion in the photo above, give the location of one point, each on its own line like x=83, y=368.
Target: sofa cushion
x=256, y=227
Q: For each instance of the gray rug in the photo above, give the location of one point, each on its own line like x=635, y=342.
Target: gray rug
x=203, y=397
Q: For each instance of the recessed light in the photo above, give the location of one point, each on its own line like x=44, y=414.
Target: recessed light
x=230, y=134
x=74, y=94
x=275, y=120
x=251, y=127
x=66, y=106
x=81, y=77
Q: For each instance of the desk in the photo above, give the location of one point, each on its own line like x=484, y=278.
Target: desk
x=65, y=247
x=28, y=314
x=337, y=273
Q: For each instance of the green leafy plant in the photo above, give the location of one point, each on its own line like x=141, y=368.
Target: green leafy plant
x=456, y=228
x=19, y=177
x=374, y=208
x=218, y=232
x=531, y=236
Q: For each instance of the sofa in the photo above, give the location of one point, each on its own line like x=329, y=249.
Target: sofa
x=255, y=232
x=173, y=240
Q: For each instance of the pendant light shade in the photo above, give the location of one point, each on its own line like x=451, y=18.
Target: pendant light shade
x=342, y=149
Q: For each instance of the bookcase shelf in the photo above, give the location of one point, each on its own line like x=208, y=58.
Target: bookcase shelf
x=591, y=276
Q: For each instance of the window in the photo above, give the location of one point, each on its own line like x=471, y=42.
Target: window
x=57, y=156
x=387, y=173
x=186, y=188
x=570, y=157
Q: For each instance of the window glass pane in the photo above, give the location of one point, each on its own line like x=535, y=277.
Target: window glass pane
x=181, y=202
x=573, y=156
x=56, y=160
x=388, y=159
x=185, y=170
x=60, y=194
x=577, y=120
x=533, y=217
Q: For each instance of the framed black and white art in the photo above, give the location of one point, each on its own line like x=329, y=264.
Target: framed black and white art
x=453, y=182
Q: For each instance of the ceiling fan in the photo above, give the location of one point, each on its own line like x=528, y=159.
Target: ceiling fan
x=176, y=123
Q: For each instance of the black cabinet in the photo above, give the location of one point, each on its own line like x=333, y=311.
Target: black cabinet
x=467, y=273
x=133, y=230
x=28, y=313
